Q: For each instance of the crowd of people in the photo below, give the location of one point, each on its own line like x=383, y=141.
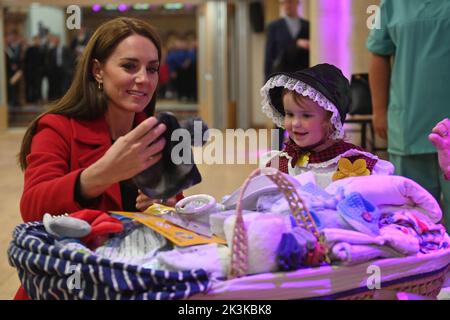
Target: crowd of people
x=44, y=58
x=178, y=71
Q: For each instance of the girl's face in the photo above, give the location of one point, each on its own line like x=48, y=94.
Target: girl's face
x=306, y=122
x=130, y=74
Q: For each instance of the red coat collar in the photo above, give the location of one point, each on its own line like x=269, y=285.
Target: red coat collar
x=96, y=132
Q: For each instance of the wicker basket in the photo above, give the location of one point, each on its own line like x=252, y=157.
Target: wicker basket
x=425, y=283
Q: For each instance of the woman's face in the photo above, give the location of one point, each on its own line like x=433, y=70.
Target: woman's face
x=130, y=74
x=305, y=120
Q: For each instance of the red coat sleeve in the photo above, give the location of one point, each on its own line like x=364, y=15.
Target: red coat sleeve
x=49, y=184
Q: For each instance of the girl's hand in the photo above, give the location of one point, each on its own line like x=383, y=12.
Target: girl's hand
x=143, y=202
x=128, y=156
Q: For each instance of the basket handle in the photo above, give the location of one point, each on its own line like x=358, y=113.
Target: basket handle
x=239, y=249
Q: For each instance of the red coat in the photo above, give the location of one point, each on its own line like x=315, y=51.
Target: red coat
x=61, y=148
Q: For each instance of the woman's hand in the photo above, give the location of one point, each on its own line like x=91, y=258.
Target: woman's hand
x=143, y=202
x=440, y=137
x=128, y=156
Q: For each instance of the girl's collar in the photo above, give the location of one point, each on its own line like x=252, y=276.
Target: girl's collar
x=311, y=148
x=332, y=151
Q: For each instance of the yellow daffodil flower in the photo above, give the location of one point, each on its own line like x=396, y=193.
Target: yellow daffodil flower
x=303, y=160
x=348, y=169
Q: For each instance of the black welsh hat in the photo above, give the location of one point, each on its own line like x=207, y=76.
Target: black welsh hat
x=323, y=83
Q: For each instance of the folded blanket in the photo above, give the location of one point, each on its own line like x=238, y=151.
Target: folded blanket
x=350, y=254
x=430, y=236
x=360, y=214
x=213, y=258
x=390, y=190
x=332, y=236
x=399, y=239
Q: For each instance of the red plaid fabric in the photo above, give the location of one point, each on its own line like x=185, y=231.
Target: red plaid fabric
x=335, y=150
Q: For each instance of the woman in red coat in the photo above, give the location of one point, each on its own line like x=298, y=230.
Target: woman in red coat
x=84, y=150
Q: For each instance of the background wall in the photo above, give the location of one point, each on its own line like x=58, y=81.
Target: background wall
x=52, y=17
x=163, y=23
x=339, y=32
x=338, y=35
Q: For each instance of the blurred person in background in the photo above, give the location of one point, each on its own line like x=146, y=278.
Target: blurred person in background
x=287, y=45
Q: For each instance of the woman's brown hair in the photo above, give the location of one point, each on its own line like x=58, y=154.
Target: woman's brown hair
x=83, y=100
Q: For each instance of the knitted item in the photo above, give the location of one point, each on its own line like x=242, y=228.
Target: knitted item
x=313, y=251
x=360, y=214
x=304, y=238
x=317, y=256
x=102, y=225
x=167, y=178
x=329, y=218
x=212, y=258
x=136, y=245
x=289, y=253
x=320, y=198
x=49, y=272
x=65, y=226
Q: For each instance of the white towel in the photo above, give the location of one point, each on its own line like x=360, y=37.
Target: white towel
x=264, y=233
x=391, y=191
x=213, y=258
x=217, y=221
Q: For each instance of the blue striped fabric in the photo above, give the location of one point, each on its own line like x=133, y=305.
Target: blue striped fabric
x=47, y=272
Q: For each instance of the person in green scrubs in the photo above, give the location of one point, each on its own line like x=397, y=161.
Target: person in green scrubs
x=410, y=83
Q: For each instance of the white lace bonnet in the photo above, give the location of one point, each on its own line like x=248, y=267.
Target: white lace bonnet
x=293, y=82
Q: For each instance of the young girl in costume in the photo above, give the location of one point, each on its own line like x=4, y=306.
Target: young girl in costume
x=311, y=105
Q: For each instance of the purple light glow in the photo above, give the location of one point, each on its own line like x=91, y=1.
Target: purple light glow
x=335, y=33
x=122, y=7
x=300, y=9
x=96, y=7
